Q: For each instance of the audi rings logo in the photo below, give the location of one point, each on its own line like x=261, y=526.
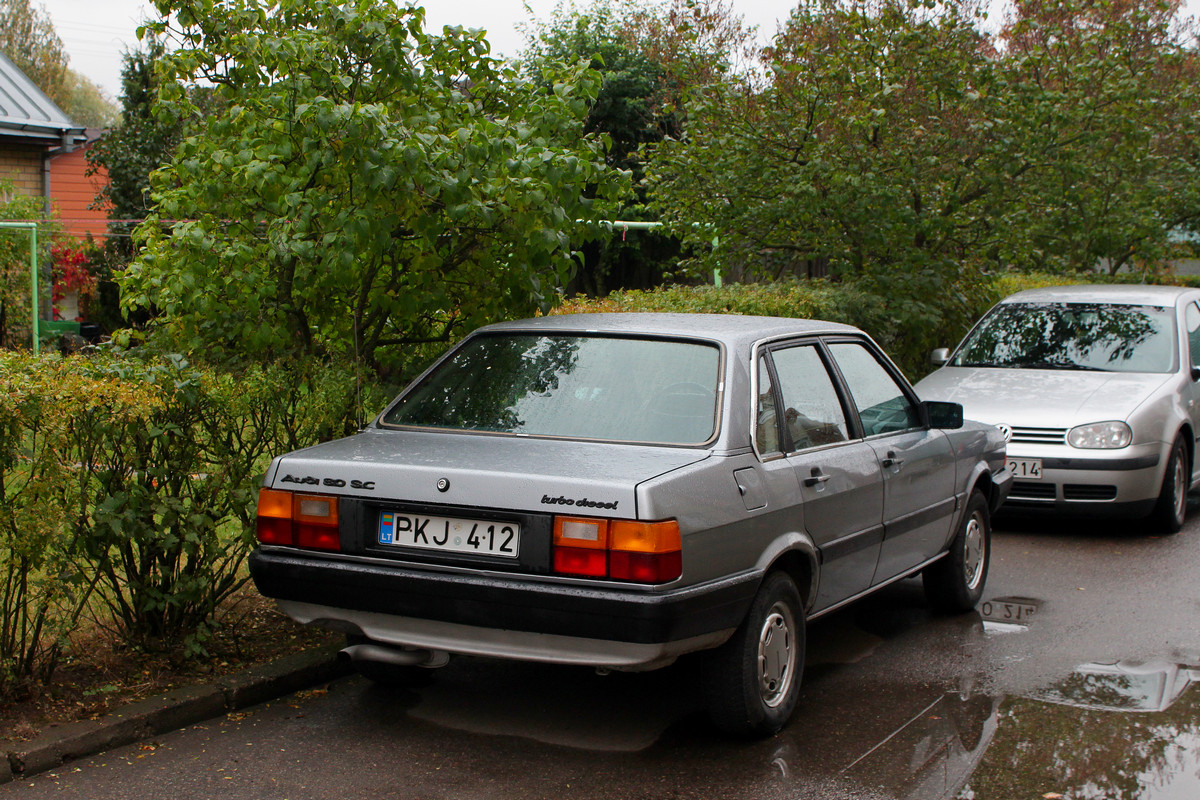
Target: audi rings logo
x=1006, y=431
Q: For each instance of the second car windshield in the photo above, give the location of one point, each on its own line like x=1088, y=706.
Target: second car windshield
x=587, y=387
x=1079, y=336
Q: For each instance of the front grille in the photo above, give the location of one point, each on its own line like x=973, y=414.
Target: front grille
x=1084, y=491
x=1038, y=435
x=1032, y=490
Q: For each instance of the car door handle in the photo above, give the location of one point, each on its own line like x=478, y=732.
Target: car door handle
x=892, y=461
x=818, y=477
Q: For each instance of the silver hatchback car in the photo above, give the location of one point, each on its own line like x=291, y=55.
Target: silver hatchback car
x=1095, y=389
x=617, y=490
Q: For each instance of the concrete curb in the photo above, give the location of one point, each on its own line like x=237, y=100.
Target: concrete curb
x=171, y=711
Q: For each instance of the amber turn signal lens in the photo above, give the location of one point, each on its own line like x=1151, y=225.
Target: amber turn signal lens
x=645, y=537
x=274, y=503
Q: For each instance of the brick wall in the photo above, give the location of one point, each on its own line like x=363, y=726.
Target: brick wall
x=22, y=167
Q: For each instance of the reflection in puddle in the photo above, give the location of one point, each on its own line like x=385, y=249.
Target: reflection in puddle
x=1078, y=740
x=1125, y=731
x=932, y=754
x=1008, y=614
x=1124, y=686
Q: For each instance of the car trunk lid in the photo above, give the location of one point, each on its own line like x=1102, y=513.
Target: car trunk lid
x=481, y=471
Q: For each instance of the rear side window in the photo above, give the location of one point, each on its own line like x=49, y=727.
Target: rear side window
x=586, y=387
x=812, y=412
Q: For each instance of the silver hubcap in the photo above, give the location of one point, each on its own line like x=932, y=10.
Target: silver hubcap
x=776, y=655
x=974, y=550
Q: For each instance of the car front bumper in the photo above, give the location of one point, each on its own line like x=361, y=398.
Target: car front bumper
x=504, y=616
x=1125, y=483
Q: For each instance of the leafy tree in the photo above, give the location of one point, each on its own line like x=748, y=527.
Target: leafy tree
x=143, y=139
x=28, y=38
x=864, y=151
x=365, y=187
x=1102, y=111
x=647, y=55
x=85, y=102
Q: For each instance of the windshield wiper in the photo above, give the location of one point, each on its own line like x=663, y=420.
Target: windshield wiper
x=1061, y=365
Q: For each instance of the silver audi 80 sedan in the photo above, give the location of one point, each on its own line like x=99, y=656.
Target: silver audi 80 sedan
x=617, y=490
x=1095, y=388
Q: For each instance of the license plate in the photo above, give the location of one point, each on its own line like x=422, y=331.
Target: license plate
x=451, y=534
x=1029, y=469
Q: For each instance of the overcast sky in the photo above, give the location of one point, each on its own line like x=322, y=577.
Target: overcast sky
x=97, y=32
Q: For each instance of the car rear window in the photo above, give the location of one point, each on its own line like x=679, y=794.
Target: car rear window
x=1073, y=336
x=587, y=387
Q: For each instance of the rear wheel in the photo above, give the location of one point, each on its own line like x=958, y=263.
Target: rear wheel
x=1171, y=507
x=954, y=584
x=753, y=680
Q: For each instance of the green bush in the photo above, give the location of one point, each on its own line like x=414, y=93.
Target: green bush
x=43, y=589
x=131, y=483
x=906, y=329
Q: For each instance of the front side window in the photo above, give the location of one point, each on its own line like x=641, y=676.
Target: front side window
x=586, y=387
x=883, y=407
x=1073, y=336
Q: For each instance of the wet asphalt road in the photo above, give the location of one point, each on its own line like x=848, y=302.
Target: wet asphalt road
x=897, y=703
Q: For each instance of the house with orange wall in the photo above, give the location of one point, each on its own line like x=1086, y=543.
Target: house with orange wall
x=33, y=130
x=75, y=194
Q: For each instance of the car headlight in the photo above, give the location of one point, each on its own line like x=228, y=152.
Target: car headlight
x=1100, y=436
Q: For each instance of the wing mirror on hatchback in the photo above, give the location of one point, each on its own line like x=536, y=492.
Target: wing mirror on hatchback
x=943, y=415
x=939, y=356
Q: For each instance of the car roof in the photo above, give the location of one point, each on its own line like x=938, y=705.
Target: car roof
x=731, y=329
x=1117, y=294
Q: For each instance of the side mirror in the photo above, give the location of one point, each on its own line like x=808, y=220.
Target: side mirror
x=943, y=415
x=939, y=356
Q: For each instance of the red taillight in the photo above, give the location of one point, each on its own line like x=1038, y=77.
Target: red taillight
x=581, y=546
x=646, y=567
x=643, y=552
x=303, y=520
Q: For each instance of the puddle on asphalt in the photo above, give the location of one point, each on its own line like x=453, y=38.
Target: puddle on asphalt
x=1008, y=614
x=1124, y=731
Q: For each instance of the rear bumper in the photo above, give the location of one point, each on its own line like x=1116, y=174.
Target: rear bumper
x=409, y=606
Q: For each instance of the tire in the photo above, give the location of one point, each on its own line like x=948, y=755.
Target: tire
x=954, y=584
x=1171, y=508
x=753, y=680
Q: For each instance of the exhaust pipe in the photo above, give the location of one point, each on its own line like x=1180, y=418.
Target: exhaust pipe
x=399, y=656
